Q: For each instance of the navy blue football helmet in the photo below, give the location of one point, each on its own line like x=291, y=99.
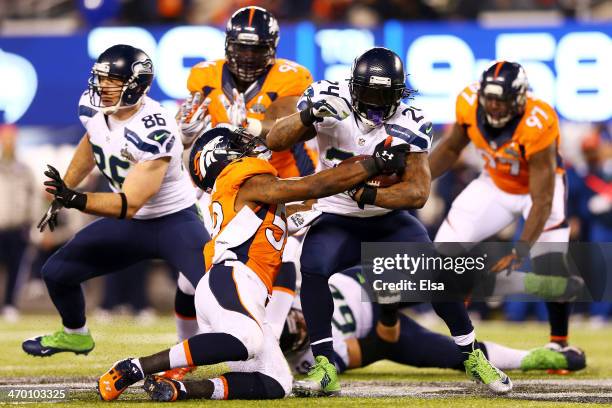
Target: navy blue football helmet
x=217, y=148
x=252, y=35
x=503, y=92
x=377, y=85
x=131, y=66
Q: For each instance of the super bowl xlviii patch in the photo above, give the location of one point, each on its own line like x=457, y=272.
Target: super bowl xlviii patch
x=125, y=153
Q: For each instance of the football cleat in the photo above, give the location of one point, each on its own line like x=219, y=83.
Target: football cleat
x=164, y=389
x=58, y=342
x=543, y=358
x=121, y=375
x=479, y=369
x=322, y=380
x=177, y=374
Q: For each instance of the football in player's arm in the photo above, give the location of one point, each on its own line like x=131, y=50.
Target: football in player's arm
x=411, y=192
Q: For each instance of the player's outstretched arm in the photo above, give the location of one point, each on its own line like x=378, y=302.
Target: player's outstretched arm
x=280, y=108
x=82, y=163
x=272, y=190
x=288, y=131
x=541, y=189
x=448, y=150
x=141, y=183
x=412, y=191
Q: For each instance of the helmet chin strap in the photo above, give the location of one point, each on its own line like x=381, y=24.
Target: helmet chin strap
x=110, y=110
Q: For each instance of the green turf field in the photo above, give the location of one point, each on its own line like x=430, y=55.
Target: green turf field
x=381, y=384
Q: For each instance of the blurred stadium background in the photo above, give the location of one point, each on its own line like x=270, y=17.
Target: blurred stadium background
x=47, y=48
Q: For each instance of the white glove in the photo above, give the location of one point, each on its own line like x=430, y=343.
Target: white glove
x=194, y=118
x=236, y=110
x=330, y=106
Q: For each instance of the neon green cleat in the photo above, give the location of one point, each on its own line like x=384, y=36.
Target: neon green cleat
x=547, y=287
x=322, y=380
x=60, y=341
x=543, y=359
x=479, y=369
x=546, y=358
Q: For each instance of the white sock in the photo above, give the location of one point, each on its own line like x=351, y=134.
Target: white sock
x=180, y=355
x=466, y=339
x=80, y=330
x=504, y=358
x=220, y=391
x=185, y=328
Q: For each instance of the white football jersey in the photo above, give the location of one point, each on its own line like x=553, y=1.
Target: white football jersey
x=353, y=318
x=150, y=134
x=341, y=139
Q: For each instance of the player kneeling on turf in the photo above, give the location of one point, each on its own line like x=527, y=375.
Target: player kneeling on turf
x=247, y=207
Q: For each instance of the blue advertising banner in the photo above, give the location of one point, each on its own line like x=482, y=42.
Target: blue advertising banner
x=41, y=78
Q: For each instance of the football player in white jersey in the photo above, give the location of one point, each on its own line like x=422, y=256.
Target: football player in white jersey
x=350, y=119
x=150, y=214
x=360, y=338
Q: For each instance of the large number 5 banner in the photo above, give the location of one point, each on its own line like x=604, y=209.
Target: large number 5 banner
x=41, y=78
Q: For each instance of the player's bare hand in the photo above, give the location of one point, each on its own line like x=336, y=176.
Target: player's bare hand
x=513, y=260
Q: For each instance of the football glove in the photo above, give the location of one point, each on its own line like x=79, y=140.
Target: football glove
x=236, y=110
x=390, y=159
x=330, y=106
x=50, y=217
x=64, y=195
x=194, y=118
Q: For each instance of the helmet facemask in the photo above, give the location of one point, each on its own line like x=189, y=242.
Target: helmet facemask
x=248, y=60
x=129, y=93
x=375, y=104
x=492, y=96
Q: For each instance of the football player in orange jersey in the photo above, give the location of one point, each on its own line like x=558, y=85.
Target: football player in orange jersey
x=250, y=87
x=518, y=137
x=247, y=207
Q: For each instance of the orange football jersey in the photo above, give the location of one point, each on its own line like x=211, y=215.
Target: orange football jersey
x=506, y=155
x=284, y=78
x=254, y=237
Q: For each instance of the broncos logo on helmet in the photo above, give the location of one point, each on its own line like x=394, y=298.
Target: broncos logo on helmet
x=217, y=148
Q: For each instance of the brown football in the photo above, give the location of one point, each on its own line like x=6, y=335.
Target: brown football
x=382, y=180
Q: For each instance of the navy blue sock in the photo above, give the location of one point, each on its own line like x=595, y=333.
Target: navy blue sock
x=69, y=302
x=455, y=316
x=213, y=348
x=558, y=316
x=318, y=308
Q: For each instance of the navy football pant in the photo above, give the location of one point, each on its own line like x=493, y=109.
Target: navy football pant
x=332, y=244
x=107, y=245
